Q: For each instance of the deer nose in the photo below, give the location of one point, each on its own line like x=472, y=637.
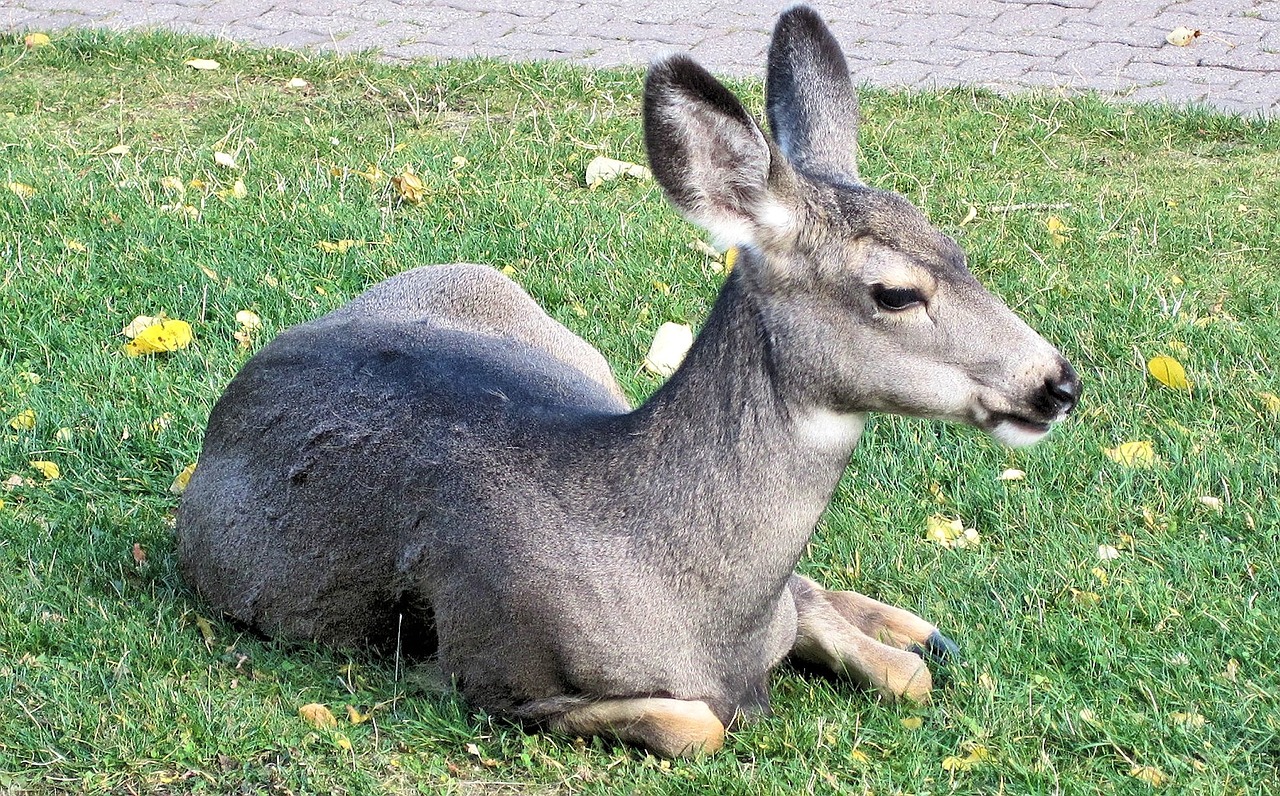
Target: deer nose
x=1063, y=391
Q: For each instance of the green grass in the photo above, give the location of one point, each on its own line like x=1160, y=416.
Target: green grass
x=1078, y=669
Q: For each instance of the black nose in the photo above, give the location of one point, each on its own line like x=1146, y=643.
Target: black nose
x=1063, y=392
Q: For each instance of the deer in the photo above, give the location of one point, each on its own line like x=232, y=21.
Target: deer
x=439, y=464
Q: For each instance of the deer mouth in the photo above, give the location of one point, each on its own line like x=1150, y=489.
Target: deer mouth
x=1017, y=431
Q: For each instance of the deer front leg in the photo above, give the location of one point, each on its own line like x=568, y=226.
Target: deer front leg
x=868, y=641
x=666, y=727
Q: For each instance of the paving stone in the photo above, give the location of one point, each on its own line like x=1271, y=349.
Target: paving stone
x=1108, y=45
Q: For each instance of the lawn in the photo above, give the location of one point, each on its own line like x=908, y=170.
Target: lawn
x=1119, y=618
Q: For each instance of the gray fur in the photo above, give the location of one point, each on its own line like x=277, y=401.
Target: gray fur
x=442, y=458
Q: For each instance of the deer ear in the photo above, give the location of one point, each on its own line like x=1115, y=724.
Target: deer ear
x=712, y=159
x=810, y=100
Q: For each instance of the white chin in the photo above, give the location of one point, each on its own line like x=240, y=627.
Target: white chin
x=1017, y=435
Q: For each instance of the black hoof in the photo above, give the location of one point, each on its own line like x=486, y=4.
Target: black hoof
x=938, y=648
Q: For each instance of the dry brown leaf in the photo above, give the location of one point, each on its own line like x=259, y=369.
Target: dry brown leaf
x=318, y=716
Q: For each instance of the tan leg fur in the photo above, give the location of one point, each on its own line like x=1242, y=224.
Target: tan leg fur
x=666, y=727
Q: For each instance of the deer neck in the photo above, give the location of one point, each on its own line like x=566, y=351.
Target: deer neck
x=733, y=453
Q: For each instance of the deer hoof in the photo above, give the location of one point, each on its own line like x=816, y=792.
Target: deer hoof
x=938, y=648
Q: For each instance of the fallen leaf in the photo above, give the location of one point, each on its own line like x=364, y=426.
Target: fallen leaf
x=1085, y=599
x=249, y=320
x=355, y=716
x=409, y=186
x=1140, y=453
x=1057, y=230
x=1210, y=502
x=206, y=630
x=49, y=470
x=209, y=272
x=318, y=716
x=1233, y=666
x=173, y=185
x=224, y=160
x=1190, y=720
x=1169, y=372
x=1107, y=553
x=181, y=210
x=297, y=82
x=74, y=246
x=22, y=189
x=730, y=258
x=669, y=346
x=1011, y=475
x=342, y=742
x=912, y=722
x=202, y=64
x=950, y=532
x=63, y=434
x=181, y=480
x=1270, y=402
x=135, y=326
x=167, y=335
x=118, y=149
x=236, y=191
x=1150, y=775
x=34, y=40
x=975, y=756
x=139, y=555
x=459, y=162
x=1181, y=36
x=602, y=169
x=23, y=421
x=859, y=757
x=971, y=215
x=338, y=246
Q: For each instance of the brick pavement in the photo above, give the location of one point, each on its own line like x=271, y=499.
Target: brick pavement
x=1116, y=47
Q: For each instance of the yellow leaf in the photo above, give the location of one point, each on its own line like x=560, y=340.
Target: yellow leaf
x=1150, y=775
x=224, y=160
x=338, y=246
x=950, y=532
x=119, y=149
x=730, y=258
x=202, y=64
x=859, y=757
x=1210, y=502
x=74, y=246
x=22, y=189
x=183, y=478
x=976, y=756
x=1270, y=402
x=318, y=716
x=63, y=434
x=206, y=630
x=409, y=186
x=1140, y=453
x=1085, y=599
x=23, y=421
x=1057, y=230
x=1169, y=372
x=49, y=470
x=1011, y=475
x=343, y=742
x=236, y=191
x=1190, y=720
x=356, y=717
x=167, y=335
x=912, y=722
x=34, y=40
x=135, y=326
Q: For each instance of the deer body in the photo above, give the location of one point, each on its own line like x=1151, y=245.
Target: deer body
x=439, y=462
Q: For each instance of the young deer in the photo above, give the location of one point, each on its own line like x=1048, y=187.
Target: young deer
x=440, y=462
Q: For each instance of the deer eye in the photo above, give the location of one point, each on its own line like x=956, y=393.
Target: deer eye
x=895, y=299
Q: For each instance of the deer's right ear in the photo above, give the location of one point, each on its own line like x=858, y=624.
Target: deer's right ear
x=711, y=157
